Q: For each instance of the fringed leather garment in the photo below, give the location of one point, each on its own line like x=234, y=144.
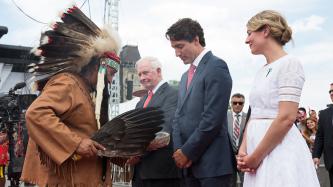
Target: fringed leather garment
x=57, y=121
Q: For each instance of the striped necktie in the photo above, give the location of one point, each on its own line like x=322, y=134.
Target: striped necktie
x=236, y=132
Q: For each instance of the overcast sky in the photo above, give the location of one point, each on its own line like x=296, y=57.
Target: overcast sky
x=145, y=22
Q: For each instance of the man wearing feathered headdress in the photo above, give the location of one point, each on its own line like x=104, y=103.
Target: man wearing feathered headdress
x=77, y=60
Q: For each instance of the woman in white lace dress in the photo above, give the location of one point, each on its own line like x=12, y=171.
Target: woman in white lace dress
x=273, y=152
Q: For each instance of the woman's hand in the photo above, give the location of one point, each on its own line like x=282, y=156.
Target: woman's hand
x=240, y=156
x=247, y=163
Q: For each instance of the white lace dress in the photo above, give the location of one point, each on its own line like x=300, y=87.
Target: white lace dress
x=290, y=163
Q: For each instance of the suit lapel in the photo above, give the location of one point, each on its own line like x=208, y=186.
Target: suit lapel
x=330, y=117
x=156, y=95
x=230, y=121
x=142, y=101
x=243, y=122
x=195, y=78
x=182, y=87
x=154, y=98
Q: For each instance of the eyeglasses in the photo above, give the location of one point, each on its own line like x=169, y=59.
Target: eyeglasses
x=330, y=92
x=237, y=103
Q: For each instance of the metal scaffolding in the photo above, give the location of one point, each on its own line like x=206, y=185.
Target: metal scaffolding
x=111, y=15
x=120, y=175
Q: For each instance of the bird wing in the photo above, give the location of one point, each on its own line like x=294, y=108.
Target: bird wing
x=130, y=133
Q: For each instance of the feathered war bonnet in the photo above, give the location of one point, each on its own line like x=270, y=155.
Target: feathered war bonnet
x=70, y=45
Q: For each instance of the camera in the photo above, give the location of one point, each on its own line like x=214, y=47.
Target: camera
x=12, y=122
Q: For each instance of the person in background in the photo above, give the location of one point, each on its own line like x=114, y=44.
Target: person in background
x=324, y=138
x=236, y=124
x=301, y=119
x=313, y=114
x=273, y=152
x=309, y=132
x=4, y=158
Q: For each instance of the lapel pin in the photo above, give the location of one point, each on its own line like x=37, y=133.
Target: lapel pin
x=269, y=70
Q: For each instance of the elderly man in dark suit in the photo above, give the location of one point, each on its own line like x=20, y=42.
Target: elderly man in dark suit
x=200, y=133
x=156, y=168
x=324, y=138
x=236, y=124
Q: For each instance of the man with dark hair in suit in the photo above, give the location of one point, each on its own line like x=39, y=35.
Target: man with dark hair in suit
x=324, y=138
x=200, y=132
x=156, y=168
x=301, y=119
x=236, y=124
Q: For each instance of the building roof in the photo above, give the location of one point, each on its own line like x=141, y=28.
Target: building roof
x=19, y=56
x=129, y=54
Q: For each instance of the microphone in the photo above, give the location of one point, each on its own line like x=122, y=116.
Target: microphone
x=19, y=86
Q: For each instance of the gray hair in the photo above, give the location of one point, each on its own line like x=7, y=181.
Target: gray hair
x=154, y=62
x=238, y=95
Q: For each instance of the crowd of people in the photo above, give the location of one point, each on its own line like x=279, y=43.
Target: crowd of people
x=270, y=145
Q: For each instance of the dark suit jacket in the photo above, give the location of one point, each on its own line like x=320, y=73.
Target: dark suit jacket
x=200, y=125
x=324, y=137
x=241, y=130
x=159, y=164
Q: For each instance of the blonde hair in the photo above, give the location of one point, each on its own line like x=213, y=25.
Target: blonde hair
x=278, y=25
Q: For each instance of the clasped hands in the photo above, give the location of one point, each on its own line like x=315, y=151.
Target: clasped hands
x=181, y=159
x=247, y=163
